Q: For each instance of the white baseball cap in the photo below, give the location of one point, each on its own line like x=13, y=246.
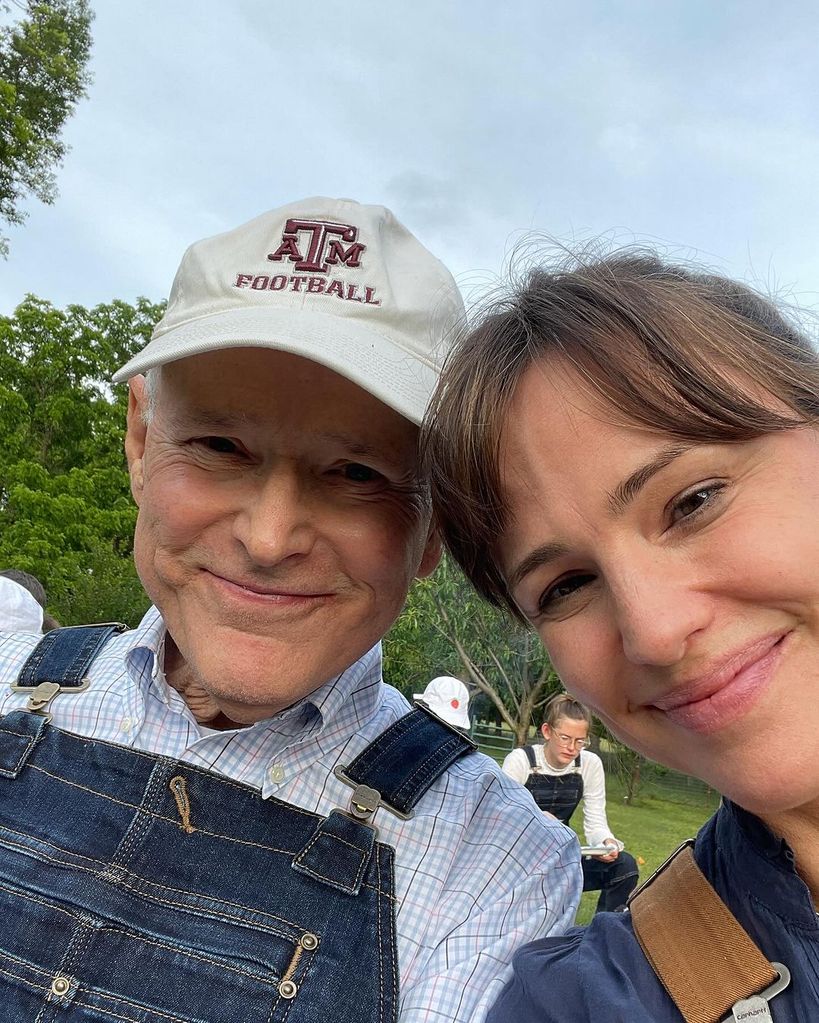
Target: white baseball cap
x=332, y=280
x=19, y=611
x=447, y=697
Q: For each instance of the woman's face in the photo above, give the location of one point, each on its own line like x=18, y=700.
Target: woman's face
x=675, y=585
x=563, y=742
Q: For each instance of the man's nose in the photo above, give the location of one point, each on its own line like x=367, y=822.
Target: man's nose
x=659, y=605
x=276, y=520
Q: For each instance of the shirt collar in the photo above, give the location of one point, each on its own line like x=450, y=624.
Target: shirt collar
x=762, y=863
x=360, y=684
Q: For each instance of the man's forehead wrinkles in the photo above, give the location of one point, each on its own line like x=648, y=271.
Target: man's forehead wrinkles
x=210, y=417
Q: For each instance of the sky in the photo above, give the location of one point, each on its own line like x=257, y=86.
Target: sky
x=687, y=124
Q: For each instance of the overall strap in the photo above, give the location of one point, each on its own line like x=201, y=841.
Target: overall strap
x=398, y=767
x=530, y=756
x=706, y=961
x=393, y=772
x=60, y=662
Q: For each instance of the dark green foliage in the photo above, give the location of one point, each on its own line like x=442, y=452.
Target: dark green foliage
x=447, y=630
x=66, y=512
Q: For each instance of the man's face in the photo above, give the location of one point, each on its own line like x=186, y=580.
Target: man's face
x=280, y=523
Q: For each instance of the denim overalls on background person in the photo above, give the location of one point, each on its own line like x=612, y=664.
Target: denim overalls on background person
x=560, y=795
x=140, y=889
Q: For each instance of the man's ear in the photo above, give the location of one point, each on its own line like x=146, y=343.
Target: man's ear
x=431, y=556
x=136, y=433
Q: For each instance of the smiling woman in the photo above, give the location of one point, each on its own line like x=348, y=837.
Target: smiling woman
x=625, y=454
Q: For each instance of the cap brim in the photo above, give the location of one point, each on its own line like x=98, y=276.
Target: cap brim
x=376, y=363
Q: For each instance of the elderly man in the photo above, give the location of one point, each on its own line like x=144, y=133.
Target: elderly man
x=225, y=814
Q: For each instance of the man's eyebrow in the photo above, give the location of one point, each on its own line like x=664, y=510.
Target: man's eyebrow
x=535, y=559
x=207, y=419
x=354, y=445
x=631, y=486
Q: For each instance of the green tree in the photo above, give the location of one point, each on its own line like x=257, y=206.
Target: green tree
x=66, y=512
x=447, y=628
x=43, y=74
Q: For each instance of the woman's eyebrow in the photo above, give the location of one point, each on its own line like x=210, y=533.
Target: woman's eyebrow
x=535, y=559
x=626, y=491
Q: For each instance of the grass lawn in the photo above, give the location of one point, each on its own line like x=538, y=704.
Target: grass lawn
x=652, y=828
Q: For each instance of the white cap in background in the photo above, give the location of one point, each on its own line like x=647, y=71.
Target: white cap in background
x=447, y=697
x=19, y=611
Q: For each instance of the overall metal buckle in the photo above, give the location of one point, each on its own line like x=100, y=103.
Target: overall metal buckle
x=365, y=800
x=755, y=1009
x=44, y=693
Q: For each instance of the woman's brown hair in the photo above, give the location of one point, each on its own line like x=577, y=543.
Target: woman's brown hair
x=564, y=706
x=687, y=353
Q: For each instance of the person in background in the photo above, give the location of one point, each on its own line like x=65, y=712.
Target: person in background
x=560, y=773
x=447, y=697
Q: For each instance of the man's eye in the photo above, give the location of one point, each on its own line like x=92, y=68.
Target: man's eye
x=221, y=445
x=562, y=590
x=355, y=472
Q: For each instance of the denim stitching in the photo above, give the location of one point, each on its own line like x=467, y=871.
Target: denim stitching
x=138, y=881
x=23, y=980
x=427, y=766
x=14, y=771
x=39, y=901
x=27, y=966
x=380, y=947
x=138, y=885
x=359, y=873
x=393, y=939
x=190, y=954
x=156, y=1013
x=387, y=741
x=191, y=768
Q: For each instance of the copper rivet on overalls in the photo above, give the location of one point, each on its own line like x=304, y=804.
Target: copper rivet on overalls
x=287, y=989
x=60, y=986
x=308, y=941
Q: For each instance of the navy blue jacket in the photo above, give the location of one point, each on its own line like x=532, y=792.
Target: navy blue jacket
x=599, y=973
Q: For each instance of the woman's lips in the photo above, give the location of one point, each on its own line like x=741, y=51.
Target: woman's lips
x=724, y=694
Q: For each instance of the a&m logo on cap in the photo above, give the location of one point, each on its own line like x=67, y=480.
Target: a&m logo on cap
x=317, y=247
x=324, y=245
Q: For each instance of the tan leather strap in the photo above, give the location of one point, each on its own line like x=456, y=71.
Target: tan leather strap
x=704, y=958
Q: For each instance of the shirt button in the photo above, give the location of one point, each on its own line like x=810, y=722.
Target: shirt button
x=126, y=725
x=275, y=773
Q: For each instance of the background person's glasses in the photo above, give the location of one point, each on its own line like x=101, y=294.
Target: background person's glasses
x=567, y=740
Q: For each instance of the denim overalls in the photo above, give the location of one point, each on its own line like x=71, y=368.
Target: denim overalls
x=559, y=794
x=137, y=889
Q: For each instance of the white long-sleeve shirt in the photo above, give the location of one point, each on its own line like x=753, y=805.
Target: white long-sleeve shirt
x=595, y=825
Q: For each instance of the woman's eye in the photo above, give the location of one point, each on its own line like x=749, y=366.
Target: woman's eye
x=562, y=590
x=690, y=504
x=221, y=445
